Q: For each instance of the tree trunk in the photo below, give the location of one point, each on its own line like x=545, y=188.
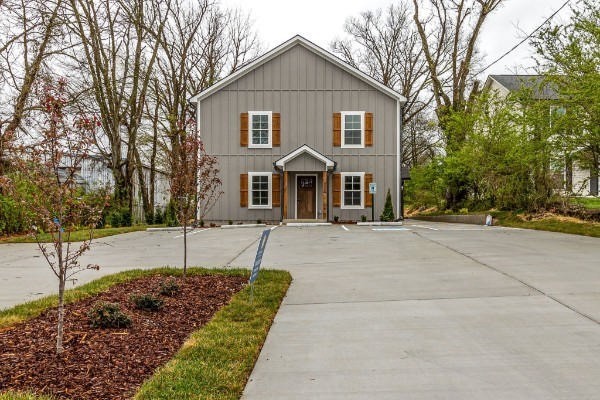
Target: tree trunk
x=62, y=277
x=184, y=246
x=143, y=188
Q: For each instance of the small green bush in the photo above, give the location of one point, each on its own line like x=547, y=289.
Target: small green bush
x=169, y=287
x=125, y=216
x=170, y=217
x=115, y=219
x=146, y=301
x=108, y=315
x=363, y=218
x=388, y=209
x=158, y=217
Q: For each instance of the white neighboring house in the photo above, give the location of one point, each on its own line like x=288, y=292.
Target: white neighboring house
x=94, y=174
x=580, y=180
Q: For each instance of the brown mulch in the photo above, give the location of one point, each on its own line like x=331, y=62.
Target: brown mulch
x=109, y=363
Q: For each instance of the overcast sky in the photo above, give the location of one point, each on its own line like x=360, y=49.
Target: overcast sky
x=321, y=21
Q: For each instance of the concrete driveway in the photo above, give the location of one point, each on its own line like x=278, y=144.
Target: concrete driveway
x=432, y=311
x=24, y=274
x=423, y=311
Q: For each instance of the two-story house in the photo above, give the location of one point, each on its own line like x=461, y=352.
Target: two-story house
x=299, y=135
x=575, y=179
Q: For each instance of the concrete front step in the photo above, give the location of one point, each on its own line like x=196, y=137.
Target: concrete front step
x=305, y=222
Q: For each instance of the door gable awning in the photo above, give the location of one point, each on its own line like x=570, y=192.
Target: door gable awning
x=305, y=149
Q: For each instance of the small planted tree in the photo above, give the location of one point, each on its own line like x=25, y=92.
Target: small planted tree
x=388, y=209
x=194, y=183
x=57, y=205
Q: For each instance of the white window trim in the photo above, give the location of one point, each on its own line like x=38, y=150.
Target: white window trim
x=362, y=130
x=362, y=190
x=270, y=189
x=260, y=146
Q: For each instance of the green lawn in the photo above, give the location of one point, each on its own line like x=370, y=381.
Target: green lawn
x=591, y=203
x=76, y=236
x=23, y=396
x=216, y=361
x=552, y=224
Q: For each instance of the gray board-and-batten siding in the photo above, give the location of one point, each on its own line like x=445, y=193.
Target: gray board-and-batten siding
x=306, y=89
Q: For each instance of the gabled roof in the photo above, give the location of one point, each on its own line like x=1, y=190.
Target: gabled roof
x=541, y=90
x=283, y=48
x=329, y=163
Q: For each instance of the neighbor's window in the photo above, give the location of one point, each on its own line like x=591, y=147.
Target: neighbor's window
x=260, y=189
x=352, y=188
x=353, y=129
x=260, y=128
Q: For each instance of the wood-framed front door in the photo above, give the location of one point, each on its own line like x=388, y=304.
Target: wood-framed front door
x=306, y=196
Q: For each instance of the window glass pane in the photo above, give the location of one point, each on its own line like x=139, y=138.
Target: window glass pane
x=352, y=192
x=260, y=190
x=260, y=129
x=352, y=129
x=352, y=136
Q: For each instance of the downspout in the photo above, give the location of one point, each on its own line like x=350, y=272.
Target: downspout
x=399, y=193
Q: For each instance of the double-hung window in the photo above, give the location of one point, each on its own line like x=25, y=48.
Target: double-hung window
x=353, y=189
x=260, y=189
x=353, y=129
x=260, y=129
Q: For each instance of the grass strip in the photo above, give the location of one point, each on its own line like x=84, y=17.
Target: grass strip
x=76, y=236
x=23, y=396
x=591, y=203
x=216, y=361
x=513, y=219
x=551, y=224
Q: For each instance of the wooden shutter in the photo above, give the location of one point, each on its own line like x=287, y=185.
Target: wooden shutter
x=368, y=129
x=276, y=130
x=337, y=129
x=368, y=197
x=243, y=190
x=276, y=190
x=244, y=129
x=337, y=190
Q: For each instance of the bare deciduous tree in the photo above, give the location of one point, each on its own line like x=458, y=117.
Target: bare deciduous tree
x=57, y=204
x=196, y=171
x=120, y=50
x=28, y=34
x=449, y=31
x=385, y=45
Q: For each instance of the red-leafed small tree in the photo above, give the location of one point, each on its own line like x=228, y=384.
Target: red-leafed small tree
x=195, y=183
x=57, y=204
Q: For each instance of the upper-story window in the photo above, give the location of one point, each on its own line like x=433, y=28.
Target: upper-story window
x=353, y=129
x=260, y=129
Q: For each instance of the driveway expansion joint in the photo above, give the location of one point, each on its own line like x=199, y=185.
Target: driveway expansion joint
x=408, y=300
x=584, y=315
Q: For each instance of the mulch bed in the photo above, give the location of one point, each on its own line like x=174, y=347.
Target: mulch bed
x=109, y=363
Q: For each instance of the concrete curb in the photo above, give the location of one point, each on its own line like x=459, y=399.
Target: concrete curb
x=242, y=226
x=472, y=219
x=308, y=224
x=380, y=223
x=167, y=229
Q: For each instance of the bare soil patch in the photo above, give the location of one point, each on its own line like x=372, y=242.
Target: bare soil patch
x=109, y=363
